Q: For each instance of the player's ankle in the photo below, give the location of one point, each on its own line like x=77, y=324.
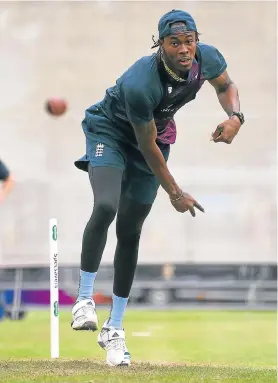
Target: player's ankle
x=115, y=323
x=83, y=298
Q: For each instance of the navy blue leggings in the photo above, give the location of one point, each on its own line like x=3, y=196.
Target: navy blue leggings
x=108, y=201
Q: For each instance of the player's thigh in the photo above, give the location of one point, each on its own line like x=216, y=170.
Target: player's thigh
x=106, y=167
x=140, y=184
x=106, y=183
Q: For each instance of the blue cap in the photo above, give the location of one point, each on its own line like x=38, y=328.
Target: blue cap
x=174, y=16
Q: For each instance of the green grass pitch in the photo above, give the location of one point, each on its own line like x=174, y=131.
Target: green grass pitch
x=166, y=346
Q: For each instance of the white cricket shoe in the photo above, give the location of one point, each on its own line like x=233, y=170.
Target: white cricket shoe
x=84, y=316
x=113, y=342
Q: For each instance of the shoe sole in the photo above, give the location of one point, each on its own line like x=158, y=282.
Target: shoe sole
x=122, y=364
x=87, y=326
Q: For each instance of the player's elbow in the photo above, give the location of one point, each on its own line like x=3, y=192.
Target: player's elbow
x=9, y=182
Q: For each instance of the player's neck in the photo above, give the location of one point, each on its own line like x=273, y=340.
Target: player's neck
x=176, y=75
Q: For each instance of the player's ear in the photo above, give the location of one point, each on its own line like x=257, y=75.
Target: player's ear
x=160, y=42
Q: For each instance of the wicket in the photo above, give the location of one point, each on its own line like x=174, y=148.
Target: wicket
x=54, y=289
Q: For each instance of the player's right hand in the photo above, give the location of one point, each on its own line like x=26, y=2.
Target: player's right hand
x=185, y=202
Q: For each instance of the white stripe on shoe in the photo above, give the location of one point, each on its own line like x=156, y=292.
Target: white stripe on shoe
x=84, y=316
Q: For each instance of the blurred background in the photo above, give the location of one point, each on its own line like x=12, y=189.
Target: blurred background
x=75, y=50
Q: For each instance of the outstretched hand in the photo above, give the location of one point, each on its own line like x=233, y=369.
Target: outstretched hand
x=226, y=131
x=186, y=202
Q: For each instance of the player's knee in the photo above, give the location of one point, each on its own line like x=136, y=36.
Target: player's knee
x=105, y=211
x=128, y=236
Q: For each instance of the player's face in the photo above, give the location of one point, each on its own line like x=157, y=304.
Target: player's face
x=180, y=50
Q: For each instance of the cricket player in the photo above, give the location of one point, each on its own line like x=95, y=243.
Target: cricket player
x=7, y=182
x=128, y=138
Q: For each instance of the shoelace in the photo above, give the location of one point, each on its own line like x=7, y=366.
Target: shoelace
x=83, y=311
x=116, y=344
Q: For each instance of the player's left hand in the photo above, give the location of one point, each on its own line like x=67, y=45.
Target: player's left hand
x=226, y=131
